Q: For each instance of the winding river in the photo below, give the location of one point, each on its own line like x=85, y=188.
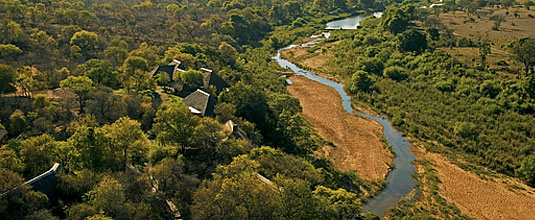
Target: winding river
x=399, y=181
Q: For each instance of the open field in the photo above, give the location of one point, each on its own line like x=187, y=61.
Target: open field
x=481, y=197
x=482, y=28
x=357, y=141
x=511, y=29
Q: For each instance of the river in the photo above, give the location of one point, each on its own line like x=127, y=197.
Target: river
x=399, y=181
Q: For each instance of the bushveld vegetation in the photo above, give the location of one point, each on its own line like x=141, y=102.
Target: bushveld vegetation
x=400, y=64
x=76, y=90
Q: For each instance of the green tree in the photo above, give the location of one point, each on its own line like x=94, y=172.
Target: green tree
x=395, y=20
x=360, y=82
x=7, y=78
x=395, y=73
x=526, y=170
x=127, y=141
x=42, y=147
x=26, y=81
x=99, y=71
x=81, y=86
x=192, y=79
x=337, y=204
x=117, y=54
x=484, y=50
x=86, y=40
x=412, y=40
x=17, y=123
x=174, y=124
x=9, y=51
x=236, y=192
x=523, y=50
x=135, y=74
x=498, y=19
x=228, y=53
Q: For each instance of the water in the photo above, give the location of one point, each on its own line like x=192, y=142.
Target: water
x=399, y=180
x=349, y=23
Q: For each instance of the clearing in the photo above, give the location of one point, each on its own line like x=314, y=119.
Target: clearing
x=357, y=140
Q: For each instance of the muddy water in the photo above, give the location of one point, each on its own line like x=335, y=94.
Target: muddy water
x=400, y=181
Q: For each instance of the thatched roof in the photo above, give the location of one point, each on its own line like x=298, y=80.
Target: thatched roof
x=201, y=103
x=3, y=133
x=212, y=79
x=172, y=69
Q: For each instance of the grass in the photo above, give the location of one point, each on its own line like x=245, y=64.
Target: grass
x=481, y=27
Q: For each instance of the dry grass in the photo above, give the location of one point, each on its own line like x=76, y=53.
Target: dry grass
x=481, y=197
x=481, y=28
x=316, y=61
x=357, y=140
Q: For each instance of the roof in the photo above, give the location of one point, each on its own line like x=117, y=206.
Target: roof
x=200, y=102
x=3, y=132
x=212, y=79
x=233, y=129
x=171, y=70
x=43, y=183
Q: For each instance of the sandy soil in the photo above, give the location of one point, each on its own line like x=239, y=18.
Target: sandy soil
x=314, y=62
x=357, y=140
x=488, y=198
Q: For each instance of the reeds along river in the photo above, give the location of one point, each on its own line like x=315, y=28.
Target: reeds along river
x=399, y=181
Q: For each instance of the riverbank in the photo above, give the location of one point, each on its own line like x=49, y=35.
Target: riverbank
x=445, y=185
x=476, y=195
x=357, y=140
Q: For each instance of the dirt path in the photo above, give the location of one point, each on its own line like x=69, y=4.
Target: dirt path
x=488, y=198
x=357, y=140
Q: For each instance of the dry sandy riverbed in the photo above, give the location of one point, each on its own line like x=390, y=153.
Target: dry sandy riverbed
x=488, y=198
x=357, y=140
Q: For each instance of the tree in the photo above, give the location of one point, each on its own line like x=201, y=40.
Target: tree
x=42, y=147
x=208, y=133
x=367, y=3
x=192, y=79
x=135, y=74
x=117, y=54
x=26, y=82
x=498, y=19
x=81, y=86
x=174, y=124
x=127, y=141
x=337, y=204
x=9, y=50
x=86, y=40
x=225, y=111
x=484, y=50
x=395, y=20
x=17, y=123
x=507, y=3
x=236, y=193
x=412, y=40
x=523, y=50
x=395, y=73
x=526, y=170
x=360, y=82
x=228, y=53
x=99, y=71
x=7, y=78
